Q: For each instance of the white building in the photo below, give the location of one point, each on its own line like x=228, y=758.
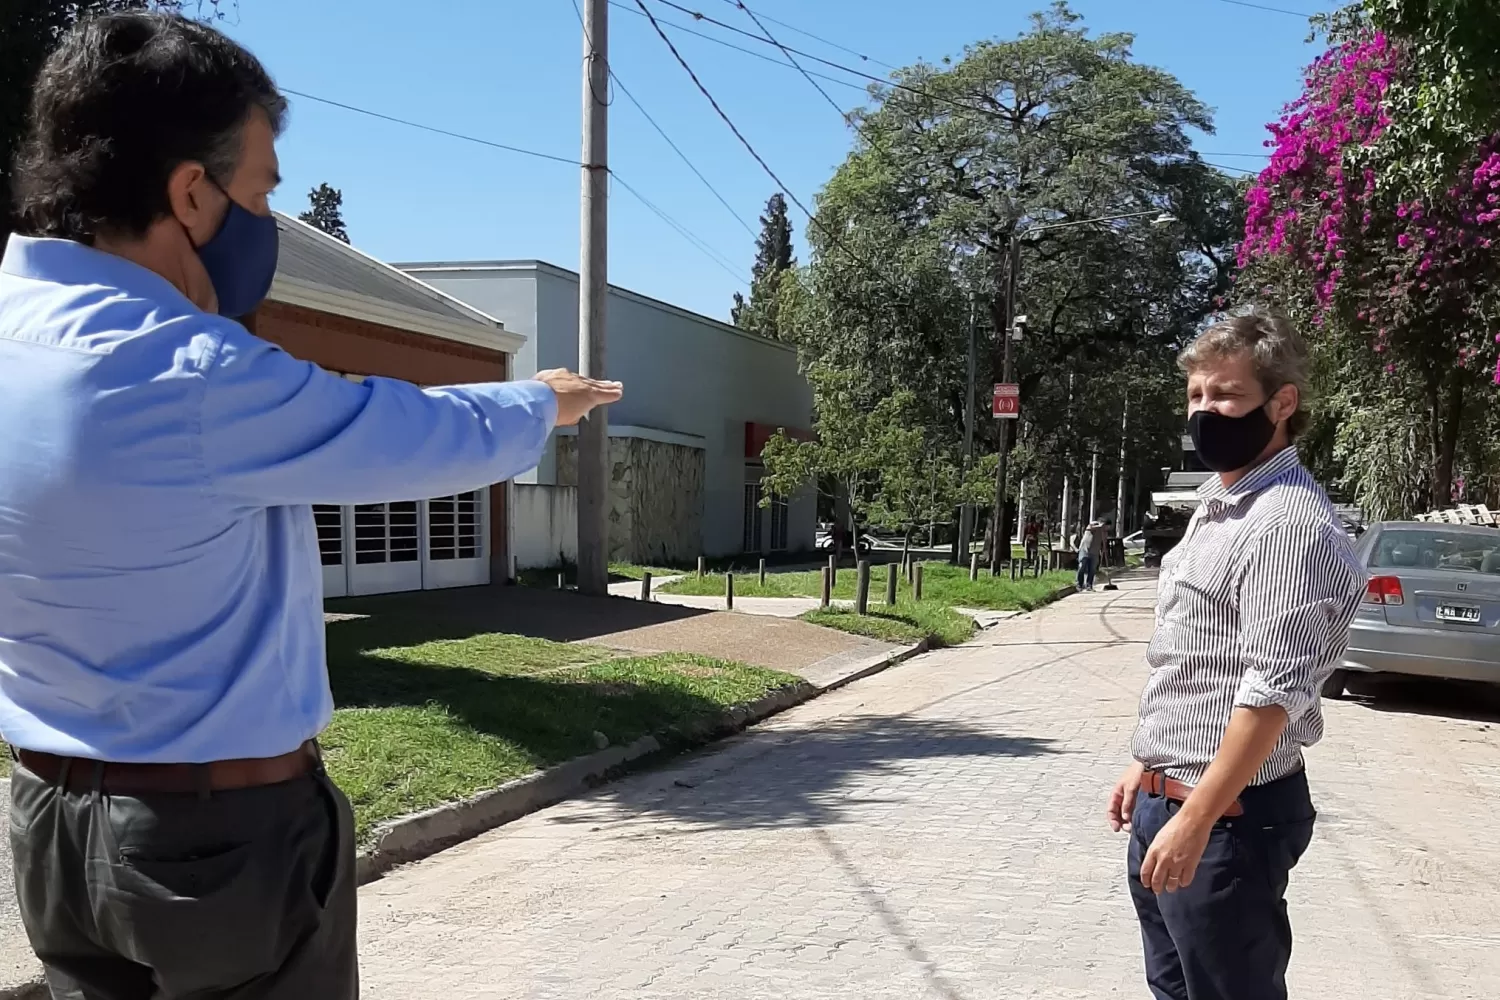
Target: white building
x=701, y=400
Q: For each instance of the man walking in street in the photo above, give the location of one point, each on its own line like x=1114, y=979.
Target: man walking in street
x=162, y=670
x=1088, y=556
x=1253, y=610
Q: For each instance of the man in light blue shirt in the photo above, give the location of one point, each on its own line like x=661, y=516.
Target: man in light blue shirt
x=162, y=672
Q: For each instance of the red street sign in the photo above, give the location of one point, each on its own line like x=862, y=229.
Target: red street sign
x=1007, y=401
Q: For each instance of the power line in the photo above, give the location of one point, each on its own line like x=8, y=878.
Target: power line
x=684, y=157
x=738, y=48
x=571, y=161
x=668, y=139
x=1261, y=6
x=720, y=111
x=848, y=118
x=808, y=34
x=684, y=232
x=681, y=229
x=766, y=39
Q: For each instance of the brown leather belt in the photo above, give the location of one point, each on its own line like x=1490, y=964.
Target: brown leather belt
x=173, y=779
x=1156, y=783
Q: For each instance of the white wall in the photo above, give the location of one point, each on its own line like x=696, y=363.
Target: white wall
x=546, y=525
x=682, y=372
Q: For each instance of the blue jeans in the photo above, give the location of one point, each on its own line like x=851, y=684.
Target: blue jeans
x=1086, y=567
x=1226, y=936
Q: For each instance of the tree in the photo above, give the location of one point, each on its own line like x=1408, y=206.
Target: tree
x=326, y=211
x=773, y=258
x=31, y=30
x=892, y=471
x=952, y=164
x=1448, y=100
x=1407, y=286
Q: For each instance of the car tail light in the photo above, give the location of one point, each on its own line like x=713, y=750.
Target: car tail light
x=1384, y=590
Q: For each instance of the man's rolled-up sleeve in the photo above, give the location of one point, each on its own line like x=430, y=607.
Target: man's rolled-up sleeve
x=275, y=430
x=1299, y=590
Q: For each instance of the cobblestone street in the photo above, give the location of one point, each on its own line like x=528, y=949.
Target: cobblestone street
x=937, y=831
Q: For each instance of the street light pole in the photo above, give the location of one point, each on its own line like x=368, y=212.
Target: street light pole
x=1006, y=373
x=966, y=512
x=1007, y=337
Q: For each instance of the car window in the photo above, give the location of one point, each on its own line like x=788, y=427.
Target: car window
x=1437, y=549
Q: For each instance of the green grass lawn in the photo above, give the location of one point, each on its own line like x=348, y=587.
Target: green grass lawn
x=941, y=584
x=421, y=724
x=905, y=624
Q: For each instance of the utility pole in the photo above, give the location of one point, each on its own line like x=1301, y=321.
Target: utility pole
x=593, y=290
x=966, y=512
x=1006, y=375
x=1120, y=521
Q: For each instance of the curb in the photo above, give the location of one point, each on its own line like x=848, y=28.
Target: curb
x=421, y=835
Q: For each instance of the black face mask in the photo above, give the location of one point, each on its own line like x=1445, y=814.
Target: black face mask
x=1226, y=444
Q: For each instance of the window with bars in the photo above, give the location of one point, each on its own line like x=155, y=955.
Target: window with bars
x=386, y=532
x=330, y=521
x=455, y=526
x=779, y=512
x=752, y=539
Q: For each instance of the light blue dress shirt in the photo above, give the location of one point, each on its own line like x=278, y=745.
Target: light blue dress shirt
x=160, y=586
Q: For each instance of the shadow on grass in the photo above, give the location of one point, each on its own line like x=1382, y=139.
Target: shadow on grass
x=561, y=616
x=805, y=778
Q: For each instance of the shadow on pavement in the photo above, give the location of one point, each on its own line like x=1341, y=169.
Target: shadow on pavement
x=561, y=616
x=731, y=787
x=1467, y=700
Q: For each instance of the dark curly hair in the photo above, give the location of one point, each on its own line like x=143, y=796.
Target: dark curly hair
x=124, y=101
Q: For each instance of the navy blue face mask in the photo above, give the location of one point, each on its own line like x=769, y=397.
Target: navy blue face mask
x=241, y=259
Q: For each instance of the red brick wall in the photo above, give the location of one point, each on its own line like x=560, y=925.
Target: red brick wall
x=357, y=347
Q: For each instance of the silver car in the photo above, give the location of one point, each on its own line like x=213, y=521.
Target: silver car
x=1432, y=605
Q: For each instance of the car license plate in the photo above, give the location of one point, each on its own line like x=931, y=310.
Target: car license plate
x=1458, y=613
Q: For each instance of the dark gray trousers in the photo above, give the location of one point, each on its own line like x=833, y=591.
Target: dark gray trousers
x=242, y=895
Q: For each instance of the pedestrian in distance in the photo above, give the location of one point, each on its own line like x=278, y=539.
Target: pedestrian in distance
x=1253, y=611
x=162, y=673
x=1088, y=556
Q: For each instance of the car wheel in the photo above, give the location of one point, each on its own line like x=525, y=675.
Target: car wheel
x=1334, y=686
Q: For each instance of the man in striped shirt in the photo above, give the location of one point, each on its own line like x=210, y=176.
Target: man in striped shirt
x=1252, y=614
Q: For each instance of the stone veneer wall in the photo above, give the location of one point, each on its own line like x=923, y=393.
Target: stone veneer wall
x=655, y=498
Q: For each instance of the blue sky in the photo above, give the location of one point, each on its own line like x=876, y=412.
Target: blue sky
x=507, y=71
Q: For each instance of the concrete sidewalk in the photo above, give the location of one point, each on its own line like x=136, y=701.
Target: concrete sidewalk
x=937, y=831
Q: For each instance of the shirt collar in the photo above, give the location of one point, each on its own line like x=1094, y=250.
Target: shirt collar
x=67, y=262
x=1270, y=471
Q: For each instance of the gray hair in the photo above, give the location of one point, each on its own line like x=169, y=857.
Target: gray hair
x=1276, y=350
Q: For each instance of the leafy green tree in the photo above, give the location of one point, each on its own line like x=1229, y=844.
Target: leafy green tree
x=326, y=211
x=893, y=472
x=29, y=31
x=1448, y=100
x=1011, y=142
x=773, y=259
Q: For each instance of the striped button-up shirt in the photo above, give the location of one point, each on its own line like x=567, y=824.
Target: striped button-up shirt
x=1253, y=610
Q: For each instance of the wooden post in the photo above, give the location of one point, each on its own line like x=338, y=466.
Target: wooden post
x=833, y=568
x=762, y=572
x=562, y=581
x=827, y=598
x=702, y=567
x=916, y=585
x=645, y=586
x=728, y=591
x=862, y=587
x=973, y=567
x=890, y=585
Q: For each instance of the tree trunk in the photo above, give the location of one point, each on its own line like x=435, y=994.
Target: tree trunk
x=1445, y=440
